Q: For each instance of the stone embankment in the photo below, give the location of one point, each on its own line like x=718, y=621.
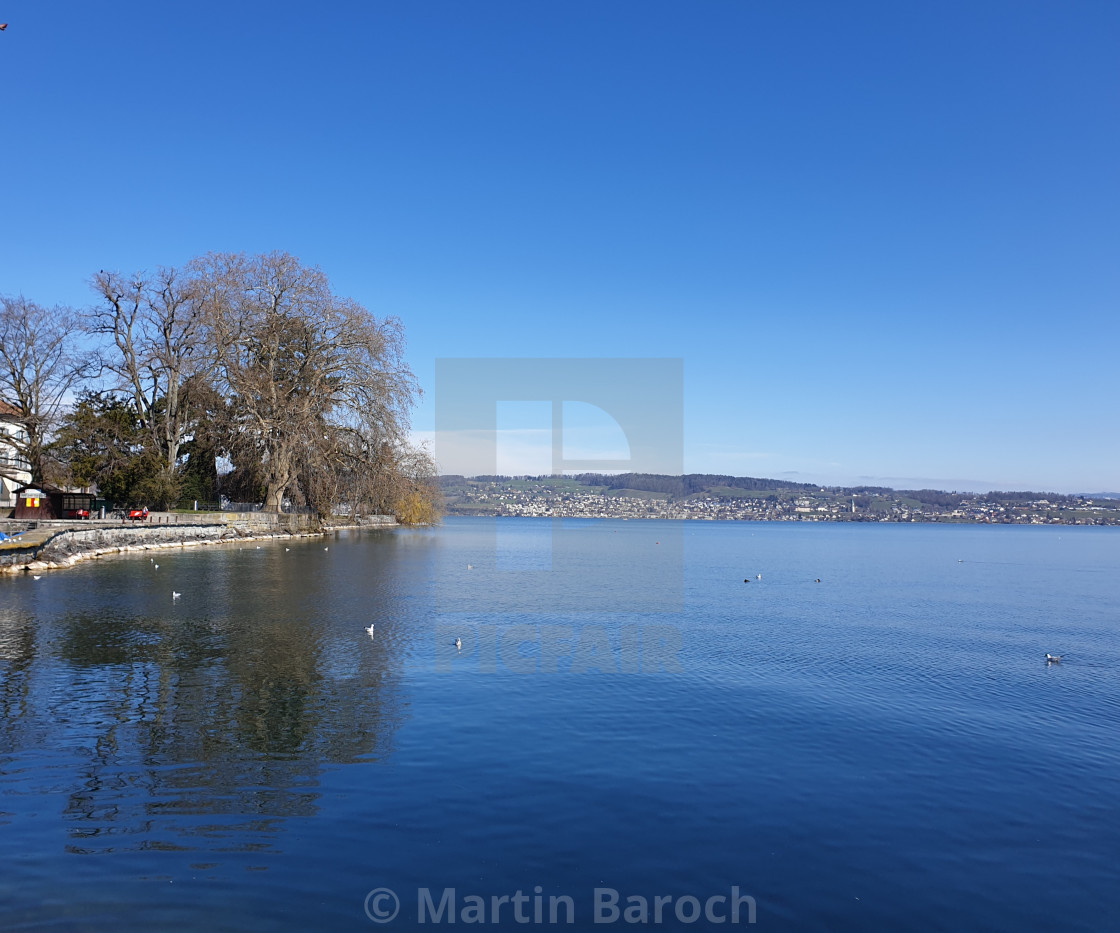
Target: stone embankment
x=53, y=545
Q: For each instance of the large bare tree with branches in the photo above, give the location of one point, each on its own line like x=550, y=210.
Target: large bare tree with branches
x=40, y=363
x=156, y=330
x=315, y=383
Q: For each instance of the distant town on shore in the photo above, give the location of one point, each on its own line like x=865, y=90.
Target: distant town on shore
x=714, y=497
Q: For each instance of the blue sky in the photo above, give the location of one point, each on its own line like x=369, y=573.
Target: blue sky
x=883, y=237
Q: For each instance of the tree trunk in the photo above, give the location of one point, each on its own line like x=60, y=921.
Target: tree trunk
x=278, y=476
x=273, y=498
x=35, y=458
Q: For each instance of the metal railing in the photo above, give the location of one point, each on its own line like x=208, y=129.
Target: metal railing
x=200, y=505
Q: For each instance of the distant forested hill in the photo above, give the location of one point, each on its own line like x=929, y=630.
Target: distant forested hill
x=722, y=486
x=689, y=484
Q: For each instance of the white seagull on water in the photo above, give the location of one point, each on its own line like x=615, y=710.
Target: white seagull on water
x=458, y=643
x=369, y=630
x=175, y=595
x=1052, y=658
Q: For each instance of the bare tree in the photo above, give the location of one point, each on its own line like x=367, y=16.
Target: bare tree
x=415, y=496
x=40, y=363
x=313, y=379
x=155, y=328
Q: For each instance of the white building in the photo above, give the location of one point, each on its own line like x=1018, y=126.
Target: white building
x=14, y=468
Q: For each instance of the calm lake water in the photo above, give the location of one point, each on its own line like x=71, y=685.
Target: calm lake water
x=883, y=750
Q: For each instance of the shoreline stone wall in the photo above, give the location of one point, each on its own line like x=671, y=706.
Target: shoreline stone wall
x=70, y=543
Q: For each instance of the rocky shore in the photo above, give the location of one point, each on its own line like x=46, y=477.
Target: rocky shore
x=53, y=548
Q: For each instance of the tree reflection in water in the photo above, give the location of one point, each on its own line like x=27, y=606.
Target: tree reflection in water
x=204, y=725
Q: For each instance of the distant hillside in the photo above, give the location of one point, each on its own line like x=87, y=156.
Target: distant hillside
x=719, y=485
x=689, y=484
x=714, y=496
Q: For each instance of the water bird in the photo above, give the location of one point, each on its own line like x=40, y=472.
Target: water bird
x=287, y=549
x=326, y=549
x=175, y=595
x=155, y=566
x=470, y=566
x=746, y=579
x=458, y=643
x=40, y=577
x=818, y=579
x=1053, y=658
x=760, y=576
x=369, y=630
x=258, y=547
